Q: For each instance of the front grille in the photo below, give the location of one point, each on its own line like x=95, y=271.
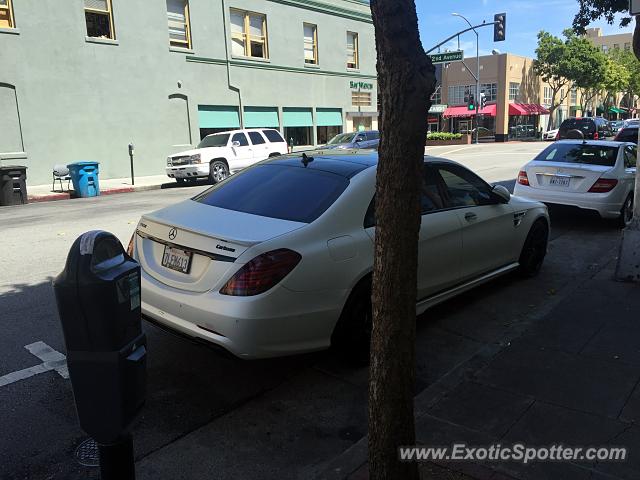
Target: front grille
x=180, y=160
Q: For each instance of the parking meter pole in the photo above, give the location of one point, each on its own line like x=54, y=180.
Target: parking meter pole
x=133, y=182
x=116, y=460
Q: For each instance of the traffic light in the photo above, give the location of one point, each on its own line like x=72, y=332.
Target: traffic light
x=471, y=103
x=483, y=101
x=499, y=27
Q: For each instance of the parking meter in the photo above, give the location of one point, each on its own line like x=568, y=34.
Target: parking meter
x=131, y=150
x=98, y=298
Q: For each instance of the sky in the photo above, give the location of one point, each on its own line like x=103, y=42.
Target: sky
x=525, y=18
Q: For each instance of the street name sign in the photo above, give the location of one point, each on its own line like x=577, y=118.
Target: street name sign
x=447, y=57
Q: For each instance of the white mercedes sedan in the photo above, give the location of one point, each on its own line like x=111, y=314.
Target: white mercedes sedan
x=277, y=259
x=594, y=175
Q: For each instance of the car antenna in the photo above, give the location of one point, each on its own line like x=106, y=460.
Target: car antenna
x=306, y=159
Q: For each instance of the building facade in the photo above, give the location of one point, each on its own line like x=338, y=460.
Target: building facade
x=517, y=99
x=82, y=79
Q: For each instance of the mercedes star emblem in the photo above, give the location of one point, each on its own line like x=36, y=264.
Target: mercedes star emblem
x=173, y=233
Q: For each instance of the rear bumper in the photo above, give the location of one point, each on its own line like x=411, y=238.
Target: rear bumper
x=607, y=205
x=276, y=323
x=188, y=171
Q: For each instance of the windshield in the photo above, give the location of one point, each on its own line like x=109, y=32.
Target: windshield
x=277, y=191
x=583, y=153
x=341, y=138
x=217, y=140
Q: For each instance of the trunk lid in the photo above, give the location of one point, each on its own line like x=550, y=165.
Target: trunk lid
x=212, y=237
x=564, y=177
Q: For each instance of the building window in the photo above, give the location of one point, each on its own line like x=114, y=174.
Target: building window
x=547, y=96
x=99, y=17
x=360, y=99
x=627, y=46
x=310, y=33
x=605, y=48
x=574, y=96
x=615, y=45
x=514, y=90
x=248, y=34
x=458, y=92
x=324, y=134
x=178, y=18
x=436, y=97
x=490, y=91
x=352, y=50
x=6, y=14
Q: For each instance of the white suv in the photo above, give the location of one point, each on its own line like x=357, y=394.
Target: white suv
x=220, y=154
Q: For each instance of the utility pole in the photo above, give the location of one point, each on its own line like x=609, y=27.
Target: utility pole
x=477, y=75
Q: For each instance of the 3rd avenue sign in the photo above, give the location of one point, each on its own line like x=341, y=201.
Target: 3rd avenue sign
x=447, y=57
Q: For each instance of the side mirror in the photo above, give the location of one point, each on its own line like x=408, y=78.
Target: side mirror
x=235, y=143
x=502, y=193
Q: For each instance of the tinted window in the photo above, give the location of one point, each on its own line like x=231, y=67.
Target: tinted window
x=256, y=138
x=277, y=191
x=240, y=137
x=580, y=153
x=628, y=135
x=463, y=188
x=361, y=137
x=373, y=135
x=273, y=136
x=341, y=138
x=431, y=199
x=585, y=125
x=219, y=140
x=630, y=154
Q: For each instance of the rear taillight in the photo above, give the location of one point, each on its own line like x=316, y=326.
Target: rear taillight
x=558, y=135
x=522, y=178
x=595, y=136
x=603, y=185
x=130, y=246
x=262, y=273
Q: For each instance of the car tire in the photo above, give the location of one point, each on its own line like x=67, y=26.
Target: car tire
x=274, y=154
x=626, y=213
x=352, y=334
x=218, y=171
x=534, y=249
x=180, y=180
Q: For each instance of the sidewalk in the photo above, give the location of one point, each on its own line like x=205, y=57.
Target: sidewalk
x=570, y=379
x=44, y=193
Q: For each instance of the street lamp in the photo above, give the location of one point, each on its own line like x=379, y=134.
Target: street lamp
x=477, y=71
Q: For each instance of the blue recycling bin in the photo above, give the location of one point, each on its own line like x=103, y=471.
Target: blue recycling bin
x=84, y=176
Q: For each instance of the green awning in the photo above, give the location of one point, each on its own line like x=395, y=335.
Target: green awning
x=616, y=110
x=218, y=116
x=259, y=117
x=329, y=117
x=297, y=117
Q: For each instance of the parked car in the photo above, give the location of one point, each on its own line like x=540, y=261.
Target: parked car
x=220, y=154
x=363, y=139
x=550, y=134
x=593, y=175
x=590, y=128
x=632, y=122
x=616, y=125
x=627, y=134
x=277, y=259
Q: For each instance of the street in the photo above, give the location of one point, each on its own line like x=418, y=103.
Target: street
x=290, y=415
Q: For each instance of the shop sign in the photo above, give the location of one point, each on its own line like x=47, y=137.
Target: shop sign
x=360, y=85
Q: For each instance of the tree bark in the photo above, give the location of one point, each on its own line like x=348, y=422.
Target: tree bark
x=636, y=202
x=406, y=81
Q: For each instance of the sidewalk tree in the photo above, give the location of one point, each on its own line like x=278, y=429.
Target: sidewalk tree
x=563, y=64
x=406, y=80
x=591, y=10
x=616, y=79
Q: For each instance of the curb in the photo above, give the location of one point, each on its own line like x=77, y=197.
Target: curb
x=49, y=197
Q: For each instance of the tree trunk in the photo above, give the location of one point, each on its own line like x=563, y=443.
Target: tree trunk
x=636, y=209
x=406, y=81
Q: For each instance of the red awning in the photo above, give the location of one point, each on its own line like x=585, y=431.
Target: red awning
x=464, y=112
x=527, y=109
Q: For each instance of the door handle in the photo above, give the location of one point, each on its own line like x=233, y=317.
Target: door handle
x=469, y=217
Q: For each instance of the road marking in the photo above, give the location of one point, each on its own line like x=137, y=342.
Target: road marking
x=454, y=150
x=51, y=360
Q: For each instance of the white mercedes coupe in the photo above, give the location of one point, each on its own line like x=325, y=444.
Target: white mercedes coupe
x=277, y=259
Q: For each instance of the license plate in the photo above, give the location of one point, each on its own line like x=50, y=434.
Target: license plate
x=559, y=181
x=177, y=259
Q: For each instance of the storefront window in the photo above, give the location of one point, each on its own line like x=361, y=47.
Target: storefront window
x=298, y=135
x=523, y=126
x=325, y=134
